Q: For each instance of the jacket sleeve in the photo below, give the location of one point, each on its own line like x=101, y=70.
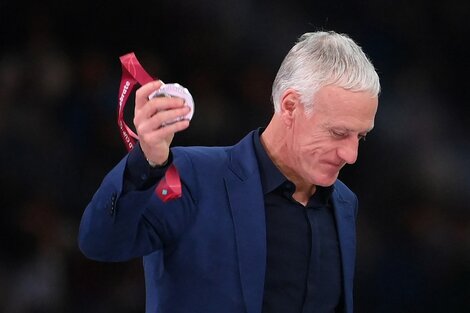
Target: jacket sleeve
x=125, y=219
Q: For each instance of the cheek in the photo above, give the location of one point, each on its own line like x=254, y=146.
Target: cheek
x=312, y=147
x=309, y=155
x=317, y=146
x=321, y=151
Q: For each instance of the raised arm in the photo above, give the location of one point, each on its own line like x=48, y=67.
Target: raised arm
x=116, y=225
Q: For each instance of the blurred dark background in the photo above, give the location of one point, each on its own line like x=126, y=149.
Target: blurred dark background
x=59, y=79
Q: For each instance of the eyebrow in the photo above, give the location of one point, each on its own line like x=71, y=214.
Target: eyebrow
x=349, y=130
x=328, y=125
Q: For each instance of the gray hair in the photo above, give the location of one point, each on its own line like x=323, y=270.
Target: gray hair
x=323, y=58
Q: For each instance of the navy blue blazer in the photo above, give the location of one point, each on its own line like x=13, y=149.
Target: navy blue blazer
x=206, y=251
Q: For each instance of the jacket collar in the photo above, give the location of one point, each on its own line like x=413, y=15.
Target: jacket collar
x=345, y=206
x=245, y=194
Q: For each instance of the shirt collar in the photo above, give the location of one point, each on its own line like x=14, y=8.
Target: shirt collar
x=271, y=177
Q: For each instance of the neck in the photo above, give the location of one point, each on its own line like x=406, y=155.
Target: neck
x=275, y=141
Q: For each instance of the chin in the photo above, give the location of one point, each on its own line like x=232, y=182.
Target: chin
x=326, y=180
x=326, y=184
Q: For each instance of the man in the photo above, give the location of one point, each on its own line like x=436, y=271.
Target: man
x=262, y=226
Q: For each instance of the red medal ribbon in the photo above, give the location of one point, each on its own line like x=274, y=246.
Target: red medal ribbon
x=133, y=73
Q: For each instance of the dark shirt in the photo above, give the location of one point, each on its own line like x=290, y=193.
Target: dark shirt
x=303, y=269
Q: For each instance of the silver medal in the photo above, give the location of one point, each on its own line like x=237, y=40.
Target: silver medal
x=175, y=90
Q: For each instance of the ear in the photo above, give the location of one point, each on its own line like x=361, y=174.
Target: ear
x=290, y=102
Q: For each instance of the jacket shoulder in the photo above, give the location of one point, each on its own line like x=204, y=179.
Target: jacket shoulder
x=201, y=156
x=344, y=190
x=239, y=157
x=346, y=195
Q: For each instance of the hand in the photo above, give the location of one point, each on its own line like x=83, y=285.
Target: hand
x=150, y=115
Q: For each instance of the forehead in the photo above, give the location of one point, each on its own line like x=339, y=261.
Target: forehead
x=355, y=110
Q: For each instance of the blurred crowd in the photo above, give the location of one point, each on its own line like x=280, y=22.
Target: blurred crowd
x=59, y=79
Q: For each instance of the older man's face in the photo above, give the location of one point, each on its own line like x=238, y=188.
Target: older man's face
x=323, y=142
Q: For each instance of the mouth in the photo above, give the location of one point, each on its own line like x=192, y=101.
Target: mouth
x=336, y=165
x=333, y=167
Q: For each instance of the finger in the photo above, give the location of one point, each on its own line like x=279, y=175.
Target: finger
x=168, y=130
x=154, y=106
x=141, y=95
x=170, y=116
x=163, y=118
x=162, y=104
x=162, y=135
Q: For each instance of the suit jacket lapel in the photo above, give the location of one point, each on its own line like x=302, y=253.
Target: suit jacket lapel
x=345, y=223
x=245, y=195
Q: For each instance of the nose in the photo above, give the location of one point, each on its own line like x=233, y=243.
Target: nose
x=348, y=150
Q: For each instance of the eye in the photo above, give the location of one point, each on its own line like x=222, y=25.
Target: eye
x=338, y=133
x=362, y=137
